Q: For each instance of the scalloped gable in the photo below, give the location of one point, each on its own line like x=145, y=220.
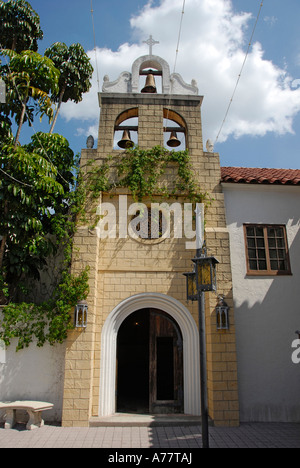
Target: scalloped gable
x=129, y=82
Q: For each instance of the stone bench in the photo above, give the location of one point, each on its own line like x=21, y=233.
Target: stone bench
x=33, y=408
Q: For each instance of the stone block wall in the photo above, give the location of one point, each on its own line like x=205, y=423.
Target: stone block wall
x=121, y=268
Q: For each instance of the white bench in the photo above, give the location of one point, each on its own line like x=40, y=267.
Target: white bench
x=33, y=408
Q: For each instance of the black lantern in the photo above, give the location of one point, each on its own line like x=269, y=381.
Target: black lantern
x=222, y=311
x=206, y=276
x=81, y=313
x=191, y=286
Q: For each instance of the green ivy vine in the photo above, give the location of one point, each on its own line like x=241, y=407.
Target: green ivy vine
x=138, y=170
x=48, y=322
x=141, y=170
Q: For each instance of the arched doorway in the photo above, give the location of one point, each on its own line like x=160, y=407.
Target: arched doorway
x=190, y=335
x=149, y=364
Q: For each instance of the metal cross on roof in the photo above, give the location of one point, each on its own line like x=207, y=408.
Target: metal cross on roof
x=150, y=42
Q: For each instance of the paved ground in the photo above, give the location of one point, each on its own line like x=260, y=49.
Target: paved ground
x=259, y=435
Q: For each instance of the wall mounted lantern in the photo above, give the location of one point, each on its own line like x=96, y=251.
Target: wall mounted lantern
x=222, y=311
x=81, y=314
x=2, y=92
x=191, y=286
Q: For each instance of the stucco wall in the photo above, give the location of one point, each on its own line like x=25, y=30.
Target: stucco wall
x=33, y=374
x=267, y=310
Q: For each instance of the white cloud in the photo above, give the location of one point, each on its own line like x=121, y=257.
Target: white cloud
x=296, y=83
x=212, y=49
x=271, y=20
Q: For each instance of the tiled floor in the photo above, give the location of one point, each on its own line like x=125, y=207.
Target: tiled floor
x=258, y=435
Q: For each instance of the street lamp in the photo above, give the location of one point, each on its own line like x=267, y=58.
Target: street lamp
x=206, y=277
x=202, y=279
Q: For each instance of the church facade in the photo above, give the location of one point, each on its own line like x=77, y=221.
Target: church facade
x=139, y=352
x=141, y=346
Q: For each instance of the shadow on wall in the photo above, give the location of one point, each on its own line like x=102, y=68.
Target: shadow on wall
x=267, y=316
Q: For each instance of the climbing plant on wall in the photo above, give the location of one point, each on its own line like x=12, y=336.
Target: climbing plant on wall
x=141, y=171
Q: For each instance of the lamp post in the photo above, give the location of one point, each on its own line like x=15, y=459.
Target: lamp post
x=202, y=279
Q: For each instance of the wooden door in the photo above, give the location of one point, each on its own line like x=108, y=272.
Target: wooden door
x=166, y=365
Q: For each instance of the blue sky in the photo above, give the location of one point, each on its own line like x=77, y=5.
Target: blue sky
x=263, y=125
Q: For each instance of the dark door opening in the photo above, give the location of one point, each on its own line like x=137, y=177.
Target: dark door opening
x=165, y=368
x=166, y=364
x=149, y=364
x=133, y=364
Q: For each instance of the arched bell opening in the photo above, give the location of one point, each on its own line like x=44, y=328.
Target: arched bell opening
x=150, y=81
x=175, y=131
x=126, y=130
x=161, y=70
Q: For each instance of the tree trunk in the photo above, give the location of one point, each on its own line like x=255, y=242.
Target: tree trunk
x=14, y=43
x=21, y=121
x=4, y=238
x=58, y=108
x=3, y=299
x=2, y=250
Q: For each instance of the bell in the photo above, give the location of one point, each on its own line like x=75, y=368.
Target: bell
x=126, y=141
x=150, y=86
x=173, y=142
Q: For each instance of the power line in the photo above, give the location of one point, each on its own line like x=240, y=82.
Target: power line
x=240, y=74
x=95, y=48
x=179, y=35
x=176, y=57
x=16, y=180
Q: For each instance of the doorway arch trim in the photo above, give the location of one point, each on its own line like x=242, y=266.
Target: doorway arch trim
x=190, y=335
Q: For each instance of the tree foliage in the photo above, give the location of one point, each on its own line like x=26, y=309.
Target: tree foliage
x=32, y=194
x=38, y=197
x=75, y=73
x=30, y=79
x=20, y=26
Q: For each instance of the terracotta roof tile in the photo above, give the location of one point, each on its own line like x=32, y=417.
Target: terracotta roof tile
x=248, y=175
